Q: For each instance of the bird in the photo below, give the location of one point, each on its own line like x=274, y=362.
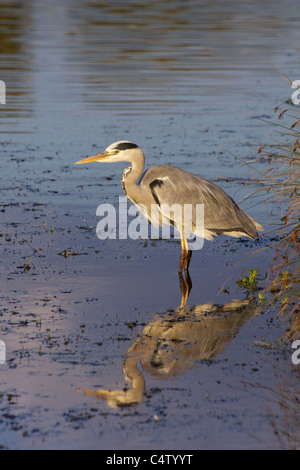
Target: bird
x=164, y=185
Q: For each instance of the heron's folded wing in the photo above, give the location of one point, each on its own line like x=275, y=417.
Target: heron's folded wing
x=172, y=186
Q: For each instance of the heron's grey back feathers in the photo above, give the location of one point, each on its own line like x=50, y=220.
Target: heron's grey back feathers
x=170, y=185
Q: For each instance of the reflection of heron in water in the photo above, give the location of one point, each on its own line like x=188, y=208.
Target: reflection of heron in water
x=165, y=187
x=171, y=344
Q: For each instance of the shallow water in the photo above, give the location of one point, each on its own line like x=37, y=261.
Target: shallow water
x=188, y=82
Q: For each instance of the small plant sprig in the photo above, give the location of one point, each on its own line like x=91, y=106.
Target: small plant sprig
x=249, y=282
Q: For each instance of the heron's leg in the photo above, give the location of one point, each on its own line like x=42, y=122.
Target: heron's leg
x=188, y=278
x=184, y=252
x=188, y=260
x=182, y=262
x=185, y=287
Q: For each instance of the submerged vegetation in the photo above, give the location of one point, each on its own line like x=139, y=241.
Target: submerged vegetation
x=282, y=185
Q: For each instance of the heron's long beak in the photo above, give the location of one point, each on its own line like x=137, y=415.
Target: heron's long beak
x=94, y=158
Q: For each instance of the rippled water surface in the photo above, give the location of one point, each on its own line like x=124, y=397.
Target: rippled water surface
x=189, y=82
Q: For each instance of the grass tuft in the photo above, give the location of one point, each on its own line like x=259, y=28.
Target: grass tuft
x=282, y=185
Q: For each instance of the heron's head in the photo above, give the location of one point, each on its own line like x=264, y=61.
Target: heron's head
x=120, y=151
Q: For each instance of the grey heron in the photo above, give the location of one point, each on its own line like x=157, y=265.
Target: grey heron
x=164, y=184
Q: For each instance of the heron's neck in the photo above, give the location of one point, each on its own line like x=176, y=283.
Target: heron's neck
x=130, y=178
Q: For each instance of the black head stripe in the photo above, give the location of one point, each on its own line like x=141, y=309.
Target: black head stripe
x=126, y=146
